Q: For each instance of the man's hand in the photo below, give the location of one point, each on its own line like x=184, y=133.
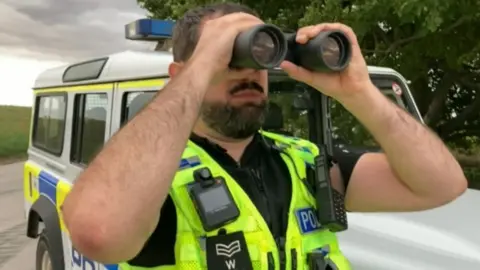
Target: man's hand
x=417, y=170
x=341, y=85
x=215, y=45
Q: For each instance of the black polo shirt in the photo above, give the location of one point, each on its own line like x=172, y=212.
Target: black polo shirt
x=265, y=178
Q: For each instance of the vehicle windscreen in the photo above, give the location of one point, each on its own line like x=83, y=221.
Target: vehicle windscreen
x=287, y=98
x=288, y=119
x=347, y=130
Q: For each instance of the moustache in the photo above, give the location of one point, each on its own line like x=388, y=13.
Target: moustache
x=247, y=86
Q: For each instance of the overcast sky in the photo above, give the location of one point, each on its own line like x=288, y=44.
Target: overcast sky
x=38, y=34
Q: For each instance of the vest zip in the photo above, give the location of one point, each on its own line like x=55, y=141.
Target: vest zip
x=261, y=188
x=280, y=242
x=281, y=252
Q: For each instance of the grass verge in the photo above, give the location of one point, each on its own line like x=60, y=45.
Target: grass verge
x=14, y=132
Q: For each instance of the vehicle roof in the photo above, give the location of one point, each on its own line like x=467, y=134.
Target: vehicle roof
x=129, y=65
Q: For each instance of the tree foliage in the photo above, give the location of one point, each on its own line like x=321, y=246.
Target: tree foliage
x=433, y=43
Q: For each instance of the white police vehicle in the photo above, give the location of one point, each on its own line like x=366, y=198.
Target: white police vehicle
x=79, y=107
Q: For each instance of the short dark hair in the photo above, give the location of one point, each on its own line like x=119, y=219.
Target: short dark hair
x=186, y=31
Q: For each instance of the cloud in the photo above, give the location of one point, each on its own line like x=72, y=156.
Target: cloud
x=67, y=30
x=17, y=75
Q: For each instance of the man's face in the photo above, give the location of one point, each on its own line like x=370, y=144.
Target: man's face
x=236, y=106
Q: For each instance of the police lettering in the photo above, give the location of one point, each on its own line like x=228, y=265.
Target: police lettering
x=307, y=220
x=82, y=262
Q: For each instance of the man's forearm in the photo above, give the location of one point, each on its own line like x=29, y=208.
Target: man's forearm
x=419, y=158
x=124, y=187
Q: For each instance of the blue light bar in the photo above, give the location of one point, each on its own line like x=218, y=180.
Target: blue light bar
x=149, y=30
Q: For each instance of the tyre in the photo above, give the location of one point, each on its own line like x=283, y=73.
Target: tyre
x=43, y=259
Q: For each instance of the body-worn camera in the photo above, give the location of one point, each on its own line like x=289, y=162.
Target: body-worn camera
x=266, y=46
x=213, y=201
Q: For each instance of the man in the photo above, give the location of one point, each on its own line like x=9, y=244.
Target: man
x=221, y=112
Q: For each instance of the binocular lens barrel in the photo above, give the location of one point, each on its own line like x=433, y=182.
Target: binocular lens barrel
x=329, y=51
x=266, y=46
x=261, y=47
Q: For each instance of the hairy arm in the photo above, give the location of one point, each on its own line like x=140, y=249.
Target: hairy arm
x=115, y=203
x=416, y=170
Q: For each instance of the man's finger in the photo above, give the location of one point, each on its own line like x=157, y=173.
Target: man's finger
x=235, y=17
x=303, y=34
x=246, y=25
x=296, y=72
x=240, y=21
x=310, y=32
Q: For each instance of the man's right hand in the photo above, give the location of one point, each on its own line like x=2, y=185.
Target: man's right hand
x=216, y=41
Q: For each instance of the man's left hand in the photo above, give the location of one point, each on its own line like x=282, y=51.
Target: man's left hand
x=338, y=85
x=416, y=171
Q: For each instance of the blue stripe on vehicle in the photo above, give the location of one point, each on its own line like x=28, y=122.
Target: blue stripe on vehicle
x=47, y=185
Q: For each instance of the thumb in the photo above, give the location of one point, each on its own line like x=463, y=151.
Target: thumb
x=296, y=72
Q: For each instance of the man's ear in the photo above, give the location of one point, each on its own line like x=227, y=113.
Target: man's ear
x=174, y=68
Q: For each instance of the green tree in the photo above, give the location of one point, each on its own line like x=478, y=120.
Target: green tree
x=433, y=43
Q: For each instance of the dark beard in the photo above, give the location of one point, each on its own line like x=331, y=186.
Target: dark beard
x=238, y=122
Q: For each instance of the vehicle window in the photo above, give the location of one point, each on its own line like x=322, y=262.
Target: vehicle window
x=288, y=119
x=49, y=123
x=133, y=102
x=348, y=130
x=282, y=118
x=90, y=119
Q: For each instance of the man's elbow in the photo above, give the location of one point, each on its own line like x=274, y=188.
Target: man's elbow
x=459, y=185
x=98, y=241
x=456, y=185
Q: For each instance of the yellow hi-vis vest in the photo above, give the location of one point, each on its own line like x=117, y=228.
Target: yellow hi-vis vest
x=304, y=233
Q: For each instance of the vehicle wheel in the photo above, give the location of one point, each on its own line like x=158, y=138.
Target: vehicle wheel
x=43, y=258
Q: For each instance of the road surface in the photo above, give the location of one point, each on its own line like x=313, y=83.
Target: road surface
x=17, y=252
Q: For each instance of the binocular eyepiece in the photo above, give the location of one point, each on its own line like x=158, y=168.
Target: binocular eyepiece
x=266, y=46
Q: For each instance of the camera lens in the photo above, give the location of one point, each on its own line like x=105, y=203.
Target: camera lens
x=263, y=47
x=331, y=51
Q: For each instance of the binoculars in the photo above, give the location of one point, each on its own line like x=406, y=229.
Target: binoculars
x=266, y=46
